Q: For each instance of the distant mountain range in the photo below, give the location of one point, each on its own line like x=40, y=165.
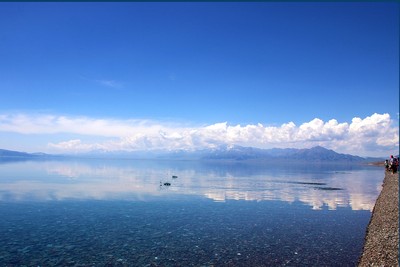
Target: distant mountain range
x=317, y=153
x=237, y=153
x=16, y=154
x=9, y=153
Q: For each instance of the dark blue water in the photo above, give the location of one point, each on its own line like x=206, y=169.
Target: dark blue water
x=120, y=213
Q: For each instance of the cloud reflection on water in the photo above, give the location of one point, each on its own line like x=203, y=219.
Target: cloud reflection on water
x=140, y=180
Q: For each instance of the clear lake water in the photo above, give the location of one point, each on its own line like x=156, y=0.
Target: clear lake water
x=93, y=212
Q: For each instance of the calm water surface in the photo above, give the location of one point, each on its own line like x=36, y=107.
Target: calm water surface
x=121, y=213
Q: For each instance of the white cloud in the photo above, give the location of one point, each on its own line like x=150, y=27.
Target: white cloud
x=51, y=124
x=369, y=136
x=75, y=146
x=110, y=83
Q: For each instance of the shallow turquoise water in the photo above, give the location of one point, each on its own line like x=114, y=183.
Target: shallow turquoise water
x=120, y=213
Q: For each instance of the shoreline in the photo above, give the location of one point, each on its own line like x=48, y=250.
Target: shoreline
x=381, y=244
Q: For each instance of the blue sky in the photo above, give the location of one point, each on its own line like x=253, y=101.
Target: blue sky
x=182, y=67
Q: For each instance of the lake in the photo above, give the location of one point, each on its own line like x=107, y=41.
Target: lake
x=96, y=212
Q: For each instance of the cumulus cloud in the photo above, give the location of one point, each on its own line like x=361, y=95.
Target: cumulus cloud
x=362, y=136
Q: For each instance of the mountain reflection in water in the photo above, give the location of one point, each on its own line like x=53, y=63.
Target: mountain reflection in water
x=328, y=185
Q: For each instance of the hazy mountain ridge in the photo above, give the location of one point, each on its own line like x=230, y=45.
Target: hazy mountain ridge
x=317, y=153
x=237, y=153
x=4, y=153
x=10, y=153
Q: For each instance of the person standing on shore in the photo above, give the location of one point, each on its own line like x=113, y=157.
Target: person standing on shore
x=390, y=162
x=393, y=163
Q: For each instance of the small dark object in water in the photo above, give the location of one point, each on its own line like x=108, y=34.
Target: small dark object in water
x=167, y=184
x=328, y=188
x=308, y=183
x=174, y=176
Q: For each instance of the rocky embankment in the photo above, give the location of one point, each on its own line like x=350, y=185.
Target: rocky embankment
x=381, y=247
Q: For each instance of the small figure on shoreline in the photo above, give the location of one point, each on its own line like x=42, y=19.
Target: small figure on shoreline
x=393, y=164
